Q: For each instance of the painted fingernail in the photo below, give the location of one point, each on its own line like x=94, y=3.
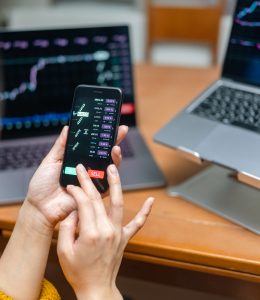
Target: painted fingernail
x=113, y=169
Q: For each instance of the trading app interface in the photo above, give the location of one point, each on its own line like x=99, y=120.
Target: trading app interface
x=243, y=56
x=39, y=71
x=92, y=133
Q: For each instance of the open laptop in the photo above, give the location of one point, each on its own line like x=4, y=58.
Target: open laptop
x=222, y=125
x=39, y=71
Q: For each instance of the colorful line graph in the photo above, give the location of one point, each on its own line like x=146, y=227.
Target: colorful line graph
x=42, y=63
x=35, y=119
x=246, y=43
x=246, y=11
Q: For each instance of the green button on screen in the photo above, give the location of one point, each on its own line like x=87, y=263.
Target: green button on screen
x=70, y=171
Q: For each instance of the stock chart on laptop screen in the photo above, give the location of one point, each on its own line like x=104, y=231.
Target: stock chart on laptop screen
x=39, y=71
x=243, y=55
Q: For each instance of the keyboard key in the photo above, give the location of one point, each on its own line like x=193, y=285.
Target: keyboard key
x=232, y=106
x=246, y=126
x=28, y=156
x=25, y=156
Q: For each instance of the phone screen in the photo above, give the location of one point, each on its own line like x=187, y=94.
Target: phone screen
x=92, y=133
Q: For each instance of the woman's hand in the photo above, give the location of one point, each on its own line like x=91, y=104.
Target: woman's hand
x=91, y=259
x=46, y=204
x=52, y=203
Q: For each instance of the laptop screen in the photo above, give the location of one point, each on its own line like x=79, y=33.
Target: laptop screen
x=39, y=71
x=242, y=61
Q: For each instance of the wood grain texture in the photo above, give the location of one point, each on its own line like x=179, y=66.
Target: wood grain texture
x=178, y=233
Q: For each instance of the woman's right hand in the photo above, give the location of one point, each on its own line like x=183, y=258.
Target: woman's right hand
x=91, y=259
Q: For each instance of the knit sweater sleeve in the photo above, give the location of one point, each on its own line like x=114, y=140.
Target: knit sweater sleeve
x=48, y=292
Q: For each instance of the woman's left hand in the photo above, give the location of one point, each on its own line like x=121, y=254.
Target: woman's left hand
x=46, y=196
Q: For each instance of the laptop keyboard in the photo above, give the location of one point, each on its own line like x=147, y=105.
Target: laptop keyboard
x=232, y=106
x=25, y=156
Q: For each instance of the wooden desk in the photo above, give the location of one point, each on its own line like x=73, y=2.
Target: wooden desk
x=178, y=234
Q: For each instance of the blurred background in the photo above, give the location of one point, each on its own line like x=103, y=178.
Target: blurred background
x=48, y=13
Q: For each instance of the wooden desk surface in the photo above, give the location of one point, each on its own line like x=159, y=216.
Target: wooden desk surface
x=178, y=233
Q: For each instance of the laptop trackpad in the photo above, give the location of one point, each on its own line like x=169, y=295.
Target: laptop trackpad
x=14, y=185
x=232, y=147
x=185, y=130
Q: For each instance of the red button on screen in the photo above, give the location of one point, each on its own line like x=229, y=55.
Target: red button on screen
x=96, y=174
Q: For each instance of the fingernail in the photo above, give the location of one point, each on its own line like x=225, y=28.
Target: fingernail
x=64, y=130
x=81, y=168
x=113, y=169
x=117, y=148
x=152, y=199
x=69, y=186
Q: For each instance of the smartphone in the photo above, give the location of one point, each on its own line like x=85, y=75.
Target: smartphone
x=94, y=122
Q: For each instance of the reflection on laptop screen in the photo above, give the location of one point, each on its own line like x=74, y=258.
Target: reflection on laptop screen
x=243, y=56
x=40, y=70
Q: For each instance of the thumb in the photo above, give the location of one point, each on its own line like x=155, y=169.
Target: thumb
x=139, y=220
x=67, y=233
x=57, y=151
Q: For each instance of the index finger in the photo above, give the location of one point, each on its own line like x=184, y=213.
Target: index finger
x=92, y=193
x=86, y=214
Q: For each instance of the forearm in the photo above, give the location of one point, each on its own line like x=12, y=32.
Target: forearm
x=23, y=262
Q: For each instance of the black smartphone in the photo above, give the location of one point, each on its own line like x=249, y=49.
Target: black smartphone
x=92, y=133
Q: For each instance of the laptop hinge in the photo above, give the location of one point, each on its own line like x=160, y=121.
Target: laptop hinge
x=189, y=154
x=240, y=85
x=248, y=179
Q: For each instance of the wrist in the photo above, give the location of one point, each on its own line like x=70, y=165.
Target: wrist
x=23, y=262
x=33, y=220
x=99, y=294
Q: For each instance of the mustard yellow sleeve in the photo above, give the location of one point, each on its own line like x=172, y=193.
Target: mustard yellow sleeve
x=48, y=292
x=4, y=296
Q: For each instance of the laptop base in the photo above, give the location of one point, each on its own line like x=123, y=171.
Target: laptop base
x=217, y=190
x=141, y=170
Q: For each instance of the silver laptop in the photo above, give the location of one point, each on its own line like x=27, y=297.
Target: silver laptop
x=222, y=125
x=39, y=71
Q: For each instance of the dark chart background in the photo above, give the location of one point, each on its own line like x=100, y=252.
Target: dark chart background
x=86, y=133
x=243, y=57
x=40, y=70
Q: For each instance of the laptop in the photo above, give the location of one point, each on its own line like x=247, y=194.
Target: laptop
x=39, y=72
x=222, y=125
